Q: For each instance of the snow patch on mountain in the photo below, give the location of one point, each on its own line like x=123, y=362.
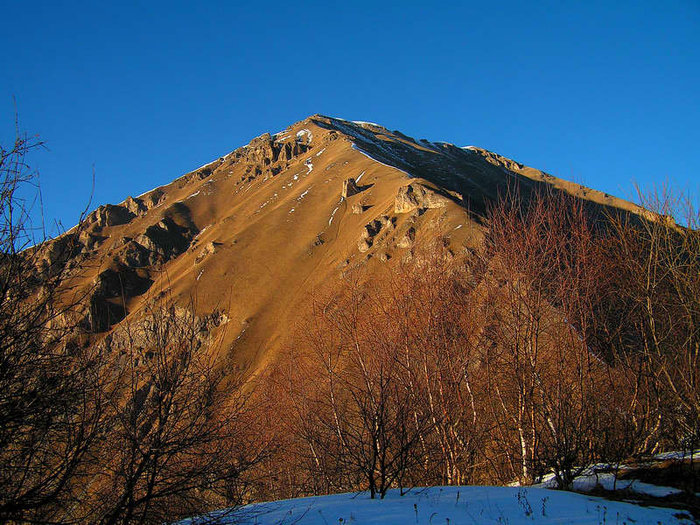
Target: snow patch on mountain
x=356, y=147
x=305, y=135
x=333, y=215
x=301, y=196
x=363, y=136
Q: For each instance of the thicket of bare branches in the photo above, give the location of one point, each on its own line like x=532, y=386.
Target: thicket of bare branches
x=353, y=399
x=546, y=384
x=655, y=331
x=50, y=401
x=178, y=443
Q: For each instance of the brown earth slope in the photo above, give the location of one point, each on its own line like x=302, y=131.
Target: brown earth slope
x=247, y=237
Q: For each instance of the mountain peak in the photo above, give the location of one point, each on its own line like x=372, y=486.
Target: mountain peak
x=288, y=212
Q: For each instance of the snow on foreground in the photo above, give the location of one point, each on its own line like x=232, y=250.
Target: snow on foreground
x=447, y=506
x=599, y=476
x=590, y=480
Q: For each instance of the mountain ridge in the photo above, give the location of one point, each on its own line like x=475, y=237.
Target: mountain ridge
x=251, y=233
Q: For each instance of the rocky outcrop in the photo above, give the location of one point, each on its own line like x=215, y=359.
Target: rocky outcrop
x=91, y=240
x=153, y=198
x=408, y=239
x=135, y=206
x=138, y=255
x=262, y=150
x=290, y=150
x=417, y=197
x=372, y=230
x=121, y=281
x=264, y=153
x=57, y=253
x=387, y=222
x=138, y=336
x=209, y=249
x=161, y=241
x=364, y=245
x=349, y=188
x=128, y=275
x=110, y=215
x=109, y=293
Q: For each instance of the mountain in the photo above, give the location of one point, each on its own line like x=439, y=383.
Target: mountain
x=338, y=308
x=244, y=239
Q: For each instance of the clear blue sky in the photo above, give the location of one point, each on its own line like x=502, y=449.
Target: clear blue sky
x=603, y=93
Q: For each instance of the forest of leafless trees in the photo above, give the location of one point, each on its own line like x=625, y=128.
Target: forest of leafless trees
x=571, y=336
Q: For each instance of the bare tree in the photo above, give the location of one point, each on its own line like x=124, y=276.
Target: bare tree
x=570, y=338
x=178, y=443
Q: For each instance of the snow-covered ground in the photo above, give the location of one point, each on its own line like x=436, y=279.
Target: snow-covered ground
x=333, y=214
x=356, y=147
x=449, y=506
x=305, y=135
x=606, y=480
x=601, y=476
x=676, y=455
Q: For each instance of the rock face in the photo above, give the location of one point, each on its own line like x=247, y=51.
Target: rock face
x=377, y=228
x=350, y=188
x=138, y=255
x=209, y=249
x=109, y=287
x=358, y=209
x=416, y=197
x=364, y=245
x=135, y=206
x=139, y=337
x=371, y=229
x=408, y=239
x=154, y=198
x=387, y=222
x=165, y=240
x=265, y=153
x=110, y=215
x=55, y=255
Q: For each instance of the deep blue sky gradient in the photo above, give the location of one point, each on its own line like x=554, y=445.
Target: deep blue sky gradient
x=604, y=93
